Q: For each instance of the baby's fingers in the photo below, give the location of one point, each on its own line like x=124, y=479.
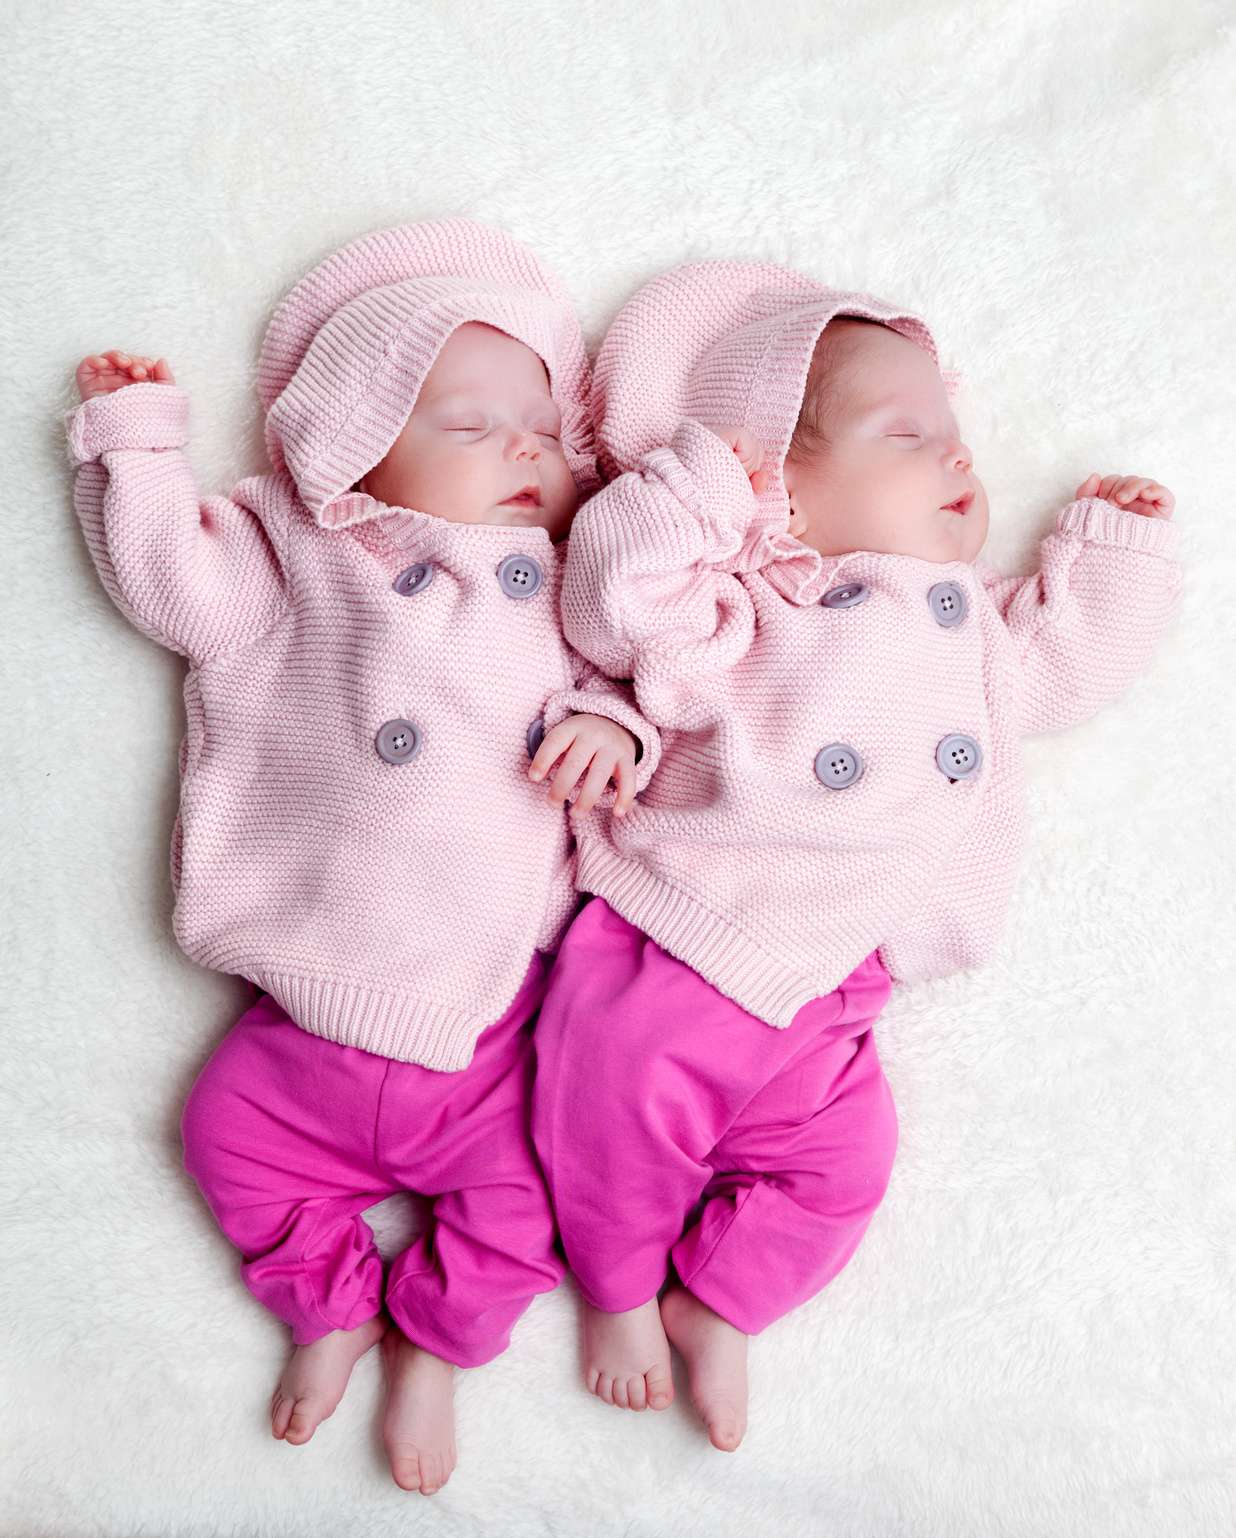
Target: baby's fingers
x=568, y=772
x=553, y=745
x=1129, y=487
x=1088, y=488
x=137, y=368
x=750, y=452
x=1159, y=500
x=594, y=785
x=624, y=779
x=1152, y=501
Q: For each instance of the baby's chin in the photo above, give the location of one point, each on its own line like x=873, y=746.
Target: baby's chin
x=940, y=549
x=951, y=536
x=554, y=521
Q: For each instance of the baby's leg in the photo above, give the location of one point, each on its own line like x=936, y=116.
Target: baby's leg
x=278, y=1133
x=799, y=1177
x=641, y=1067
x=800, y=1174
x=489, y=1249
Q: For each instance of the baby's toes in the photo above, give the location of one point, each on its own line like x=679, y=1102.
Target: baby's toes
x=280, y=1414
x=433, y=1473
x=406, y=1468
x=302, y=1423
x=637, y=1398
x=660, y=1387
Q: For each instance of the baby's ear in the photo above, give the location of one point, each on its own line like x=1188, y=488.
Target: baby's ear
x=952, y=382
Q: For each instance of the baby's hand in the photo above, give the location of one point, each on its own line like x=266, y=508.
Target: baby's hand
x=749, y=450
x=101, y=373
x=593, y=743
x=1132, y=492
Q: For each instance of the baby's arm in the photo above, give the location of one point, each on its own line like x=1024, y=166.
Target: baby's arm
x=200, y=576
x=646, y=592
x=1086, y=623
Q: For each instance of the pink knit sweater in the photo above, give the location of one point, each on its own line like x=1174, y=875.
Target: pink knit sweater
x=357, y=832
x=841, y=767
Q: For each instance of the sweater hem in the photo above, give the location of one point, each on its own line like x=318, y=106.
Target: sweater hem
x=406, y=1030
x=705, y=941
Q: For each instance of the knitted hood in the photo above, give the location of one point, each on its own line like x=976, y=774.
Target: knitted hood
x=726, y=343
x=347, y=351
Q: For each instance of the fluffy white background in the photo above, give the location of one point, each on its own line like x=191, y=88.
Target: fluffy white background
x=1036, y=1337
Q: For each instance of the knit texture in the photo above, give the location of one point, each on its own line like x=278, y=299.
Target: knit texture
x=388, y=906
x=738, y=859
x=345, y=353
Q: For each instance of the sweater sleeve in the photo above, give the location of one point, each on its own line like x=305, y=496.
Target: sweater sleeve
x=649, y=592
x=202, y=576
x=595, y=694
x=1087, y=622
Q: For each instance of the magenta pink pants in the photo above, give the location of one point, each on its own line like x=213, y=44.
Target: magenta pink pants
x=291, y=1137
x=662, y=1106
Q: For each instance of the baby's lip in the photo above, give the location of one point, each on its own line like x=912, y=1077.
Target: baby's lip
x=529, y=496
x=960, y=504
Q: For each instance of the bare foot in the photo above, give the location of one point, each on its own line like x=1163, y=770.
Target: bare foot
x=315, y=1377
x=626, y=1357
x=716, y=1357
x=419, y=1425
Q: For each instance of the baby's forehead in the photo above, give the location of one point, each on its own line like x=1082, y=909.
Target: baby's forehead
x=529, y=393
x=878, y=374
x=469, y=375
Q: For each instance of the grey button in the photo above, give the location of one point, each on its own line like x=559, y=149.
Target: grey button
x=536, y=736
x=959, y=757
x=519, y=576
x=948, y=603
x=397, y=741
x=846, y=597
x=413, y=579
x=838, y=765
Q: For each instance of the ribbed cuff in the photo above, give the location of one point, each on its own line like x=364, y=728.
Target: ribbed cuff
x=1104, y=523
x=137, y=416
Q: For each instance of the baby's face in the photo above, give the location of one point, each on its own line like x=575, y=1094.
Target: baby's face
x=482, y=444
x=893, y=476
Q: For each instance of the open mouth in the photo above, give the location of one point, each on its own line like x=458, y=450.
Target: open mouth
x=961, y=505
x=528, y=497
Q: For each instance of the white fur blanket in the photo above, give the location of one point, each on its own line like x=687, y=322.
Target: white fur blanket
x=1035, y=1338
